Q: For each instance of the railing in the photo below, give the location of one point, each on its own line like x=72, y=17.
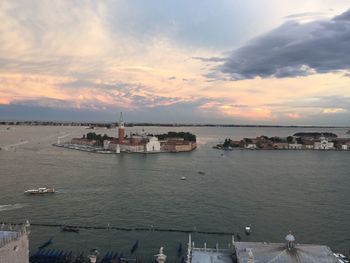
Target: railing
x=140, y=229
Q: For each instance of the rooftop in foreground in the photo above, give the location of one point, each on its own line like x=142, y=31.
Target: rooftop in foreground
x=262, y=252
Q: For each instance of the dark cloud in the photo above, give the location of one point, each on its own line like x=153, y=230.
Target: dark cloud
x=44, y=102
x=178, y=111
x=211, y=59
x=322, y=102
x=294, y=49
x=305, y=14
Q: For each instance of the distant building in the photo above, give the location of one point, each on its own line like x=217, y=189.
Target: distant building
x=14, y=244
x=259, y=252
x=323, y=144
x=106, y=144
x=153, y=145
x=308, y=144
x=83, y=141
x=121, y=129
x=281, y=145
x=295, y=146
x=342, y=143
x=251, y=146
x=177, y=145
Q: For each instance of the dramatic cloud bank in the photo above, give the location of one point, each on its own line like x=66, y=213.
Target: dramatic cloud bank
x=171, y=61
x=294, y=49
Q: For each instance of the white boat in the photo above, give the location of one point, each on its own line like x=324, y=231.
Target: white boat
x=248, y=229
x=41, y=190
x=183, y=178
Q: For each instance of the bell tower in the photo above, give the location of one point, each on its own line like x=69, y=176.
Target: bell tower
x=121, y=130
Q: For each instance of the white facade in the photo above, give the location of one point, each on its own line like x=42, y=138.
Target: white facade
x=323, y=144
x=106, y=144
x=153, y=145
x=251, y=146
x=309, y=146
x=295, y=146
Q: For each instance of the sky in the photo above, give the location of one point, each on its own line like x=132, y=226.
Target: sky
x=163, y=61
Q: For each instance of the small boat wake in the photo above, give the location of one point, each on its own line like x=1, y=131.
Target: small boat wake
x=11, y=147
x=10, y=207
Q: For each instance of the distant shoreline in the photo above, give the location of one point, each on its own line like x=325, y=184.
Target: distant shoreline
x=138, y=124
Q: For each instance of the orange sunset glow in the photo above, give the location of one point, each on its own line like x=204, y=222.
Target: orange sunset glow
x=86, y=56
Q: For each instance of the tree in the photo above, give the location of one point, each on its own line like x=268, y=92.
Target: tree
x=290, y=139
x=226, y=143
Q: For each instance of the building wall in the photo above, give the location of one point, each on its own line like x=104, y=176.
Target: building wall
x=280, y=146
x=184, y=147
x=106, y=144
x=251, y=146
x=132, y=148
x=82, y=141
x=16, y=251
x=309, y=147
x=153, y=145
x=295, y=146
x=323, y=145
x=178, y=146
x=121, y=134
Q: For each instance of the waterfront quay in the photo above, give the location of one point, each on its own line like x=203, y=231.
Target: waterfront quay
x=14, y=248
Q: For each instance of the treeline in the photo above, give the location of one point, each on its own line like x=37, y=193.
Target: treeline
x=185, y=135
x=315, y=135
x=261, y=139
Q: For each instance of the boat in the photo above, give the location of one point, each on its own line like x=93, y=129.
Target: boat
x=183, y=178
x=39, y=191
x=341, y=258
x=201, y=172
x=248, y=229
x=47, y=243
x=69, y=229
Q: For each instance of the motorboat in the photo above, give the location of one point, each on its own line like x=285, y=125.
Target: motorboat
x=39, y=191
x=248, y=229
x=69, y=229
x=183, y=178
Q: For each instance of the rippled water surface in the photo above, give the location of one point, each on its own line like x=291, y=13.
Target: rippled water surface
x=275, y=191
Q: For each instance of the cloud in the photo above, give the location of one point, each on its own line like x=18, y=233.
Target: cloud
x=293, y=115
x=294, y=49
x=333, y=110
x=327, y=104
x=211, y=59
x=305, y=14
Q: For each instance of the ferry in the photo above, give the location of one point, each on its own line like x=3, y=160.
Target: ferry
x=39, y=191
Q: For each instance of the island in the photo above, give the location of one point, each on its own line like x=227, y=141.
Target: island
x=173, y=142
x=297, y=141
